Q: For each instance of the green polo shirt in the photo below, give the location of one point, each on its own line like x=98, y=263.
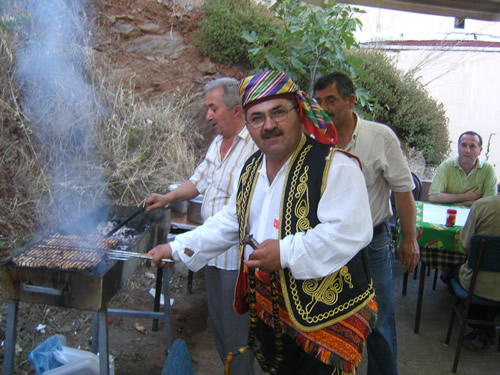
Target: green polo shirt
x=451, y=178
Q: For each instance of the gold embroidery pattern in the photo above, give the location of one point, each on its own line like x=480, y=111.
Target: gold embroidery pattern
x=242, y=198
x=322, y=290
x=302, y=207
x=327, y=289
x=305, y=313
x=289, y=204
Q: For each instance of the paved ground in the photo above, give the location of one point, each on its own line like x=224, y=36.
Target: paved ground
x=422, y=353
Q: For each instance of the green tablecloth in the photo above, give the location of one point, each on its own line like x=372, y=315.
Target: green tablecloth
x=440, y=245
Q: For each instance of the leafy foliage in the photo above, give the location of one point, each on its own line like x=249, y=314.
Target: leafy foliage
x=402, y=102
x=219, y=36
x=308, y=42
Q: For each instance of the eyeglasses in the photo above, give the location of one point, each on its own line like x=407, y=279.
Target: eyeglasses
x=279, y=115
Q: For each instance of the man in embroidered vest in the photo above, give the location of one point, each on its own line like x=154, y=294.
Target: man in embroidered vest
x=385, y=169
x=215, y=178
x=310, y=296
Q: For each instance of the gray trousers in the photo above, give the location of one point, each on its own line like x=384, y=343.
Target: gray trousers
x=230, y=330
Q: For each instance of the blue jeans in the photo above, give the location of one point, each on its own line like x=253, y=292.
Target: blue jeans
x=381, y=343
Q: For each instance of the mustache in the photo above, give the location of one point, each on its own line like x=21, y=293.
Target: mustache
x=274, y=132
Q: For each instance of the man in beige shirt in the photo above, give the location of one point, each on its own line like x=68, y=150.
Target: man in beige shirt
x=215, y=178
x=484, y=218
x=385, y=170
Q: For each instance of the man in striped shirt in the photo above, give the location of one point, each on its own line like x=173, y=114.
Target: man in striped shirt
x=215, y=178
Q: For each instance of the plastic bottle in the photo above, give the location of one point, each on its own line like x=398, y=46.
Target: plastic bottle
x=451, y=216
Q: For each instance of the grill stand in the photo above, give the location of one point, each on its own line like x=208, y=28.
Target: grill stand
x=100, y=317
x=99, y=327
x=10, y=337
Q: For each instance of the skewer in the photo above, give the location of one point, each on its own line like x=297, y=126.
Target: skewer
x=126, y=255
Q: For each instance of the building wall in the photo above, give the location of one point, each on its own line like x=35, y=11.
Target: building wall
x=464, y=79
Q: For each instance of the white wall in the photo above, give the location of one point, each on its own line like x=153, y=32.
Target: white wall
x=466, y=81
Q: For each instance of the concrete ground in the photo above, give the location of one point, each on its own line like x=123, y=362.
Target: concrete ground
x=425, y=352
x=422, y=353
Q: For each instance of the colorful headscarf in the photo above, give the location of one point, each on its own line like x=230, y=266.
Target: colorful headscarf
x=266, y=85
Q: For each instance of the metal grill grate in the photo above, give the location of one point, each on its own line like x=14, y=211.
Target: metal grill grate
x=65, y=252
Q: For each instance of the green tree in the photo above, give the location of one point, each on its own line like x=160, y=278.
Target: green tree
x=399, y=100
x=307, y=42
x=219, y=35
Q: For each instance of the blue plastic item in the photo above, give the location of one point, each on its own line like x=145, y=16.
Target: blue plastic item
x=178, y=361
x=42, y=357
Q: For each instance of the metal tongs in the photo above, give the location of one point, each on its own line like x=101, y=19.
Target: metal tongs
x=126, y=255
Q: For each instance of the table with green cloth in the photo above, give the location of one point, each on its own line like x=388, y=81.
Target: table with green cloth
x=440, y=247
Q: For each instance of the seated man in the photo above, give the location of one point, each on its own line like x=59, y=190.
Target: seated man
x=484, y=218
x=465, y=179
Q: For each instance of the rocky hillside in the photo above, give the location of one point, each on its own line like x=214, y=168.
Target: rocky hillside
x=150, y=43
x=145, y=45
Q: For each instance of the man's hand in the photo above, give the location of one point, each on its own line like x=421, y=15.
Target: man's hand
x=156, y=201
x=471, y=195
x=267, y=257
x=159, y=252
x=408, y=254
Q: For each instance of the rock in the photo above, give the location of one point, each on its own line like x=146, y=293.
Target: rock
x=126, y=30
x=150, y=28
x=112, y=19
x=207, y=68
x=168, y=45
x=125, y=16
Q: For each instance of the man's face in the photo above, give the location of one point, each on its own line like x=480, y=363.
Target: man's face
x=276, y=139
x=339, y=110
x=468, y=150
x=220, y=117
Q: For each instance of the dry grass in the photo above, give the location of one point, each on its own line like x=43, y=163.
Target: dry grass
x=143, y=147
x=117, y=152
x=19, y=163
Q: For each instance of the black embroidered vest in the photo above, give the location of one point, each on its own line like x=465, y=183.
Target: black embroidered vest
x=316, y=303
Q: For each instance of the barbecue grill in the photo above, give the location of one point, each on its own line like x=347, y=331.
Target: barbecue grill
x=71, y=268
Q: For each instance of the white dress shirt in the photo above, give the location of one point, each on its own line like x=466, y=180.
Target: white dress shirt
x=320, y=251
x=215, y=178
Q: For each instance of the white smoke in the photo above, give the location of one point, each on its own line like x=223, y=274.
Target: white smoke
x=59, y=100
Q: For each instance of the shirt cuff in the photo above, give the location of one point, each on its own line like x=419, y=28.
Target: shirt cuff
x=179, y=255
x=285, y=244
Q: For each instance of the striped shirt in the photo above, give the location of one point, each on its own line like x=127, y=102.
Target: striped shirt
x=216, y=180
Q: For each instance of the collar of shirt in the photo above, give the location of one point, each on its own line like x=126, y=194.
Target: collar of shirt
x=354, y=133
x=243, y=135
x=478, y=165
x=266, y=202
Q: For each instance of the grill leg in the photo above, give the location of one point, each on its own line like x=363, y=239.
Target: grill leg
x=156, y=305
x=190, y=282
x=103, y=342
x=10, y=337
x=420, y=297
x=95, y=333
x=166, y=308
